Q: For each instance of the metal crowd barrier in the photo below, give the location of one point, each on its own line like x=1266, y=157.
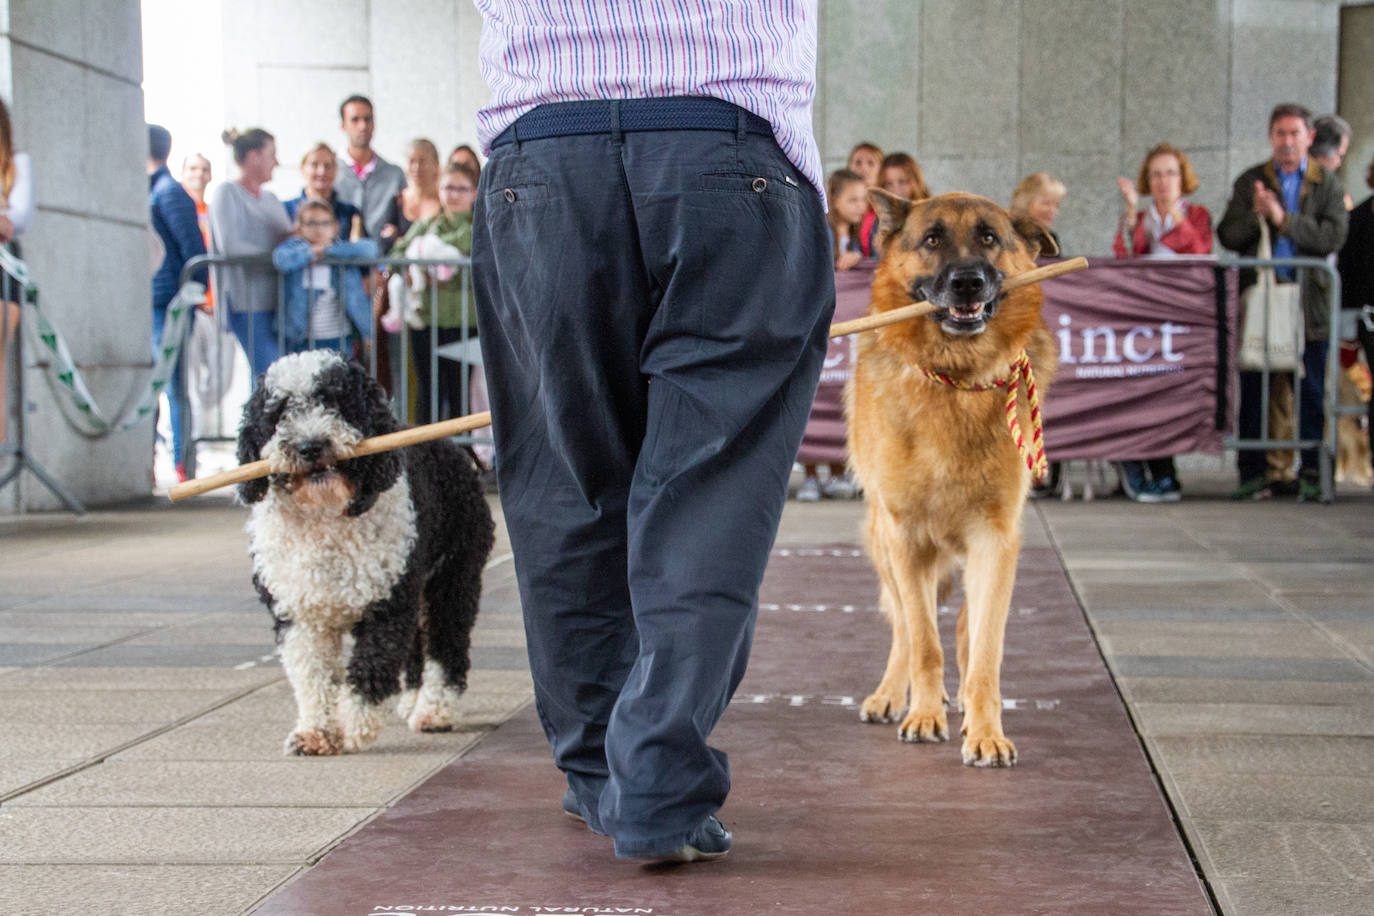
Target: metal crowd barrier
x=1331, y=410
x=461, y=353
x=1226, y=269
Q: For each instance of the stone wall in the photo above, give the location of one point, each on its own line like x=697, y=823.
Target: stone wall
x=71, y=71
x=983, y=92
x=288, y=65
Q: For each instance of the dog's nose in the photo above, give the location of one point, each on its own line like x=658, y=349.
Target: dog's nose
x=968, y=284
x=310, y=450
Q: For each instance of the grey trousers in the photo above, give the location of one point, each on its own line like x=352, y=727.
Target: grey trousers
x=653, y=318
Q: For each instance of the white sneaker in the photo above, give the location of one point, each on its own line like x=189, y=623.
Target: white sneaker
x=838, y=488
x=809, y=491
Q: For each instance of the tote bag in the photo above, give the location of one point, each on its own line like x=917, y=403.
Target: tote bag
x=1272, y=334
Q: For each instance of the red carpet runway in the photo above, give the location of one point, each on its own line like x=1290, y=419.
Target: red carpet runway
x=830, y=816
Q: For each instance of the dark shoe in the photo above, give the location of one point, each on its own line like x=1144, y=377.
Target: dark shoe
x=1168, y=489
x=1283, y=487
x=1254, y=490
x=1134, y=484
x=1310, y=491
x=571, y=807
x=709, y=841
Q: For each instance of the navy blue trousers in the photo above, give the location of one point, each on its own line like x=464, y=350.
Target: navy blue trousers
x=653, y=319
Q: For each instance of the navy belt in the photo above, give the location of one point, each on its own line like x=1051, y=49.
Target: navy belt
x=567, y=119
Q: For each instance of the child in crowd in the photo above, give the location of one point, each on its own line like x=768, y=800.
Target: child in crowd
x=866, y=160
x=902, y=177
x=325, y=307
x=848, y=203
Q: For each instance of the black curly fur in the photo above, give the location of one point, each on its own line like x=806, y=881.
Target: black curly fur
x=454, y=536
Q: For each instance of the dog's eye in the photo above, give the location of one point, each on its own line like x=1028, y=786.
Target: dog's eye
x=932, y=240
x=989, y=239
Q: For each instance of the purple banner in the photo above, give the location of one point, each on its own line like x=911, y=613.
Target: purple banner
x=1138, y=366
x=1138, y=370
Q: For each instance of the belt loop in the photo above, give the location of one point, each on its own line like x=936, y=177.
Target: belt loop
x=615, y=121
x=741, y=125
x=515, y=132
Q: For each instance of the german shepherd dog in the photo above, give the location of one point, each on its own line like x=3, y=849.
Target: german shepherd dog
x=930, y=441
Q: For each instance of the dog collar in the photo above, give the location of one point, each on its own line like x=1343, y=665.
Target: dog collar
x=1020, y=374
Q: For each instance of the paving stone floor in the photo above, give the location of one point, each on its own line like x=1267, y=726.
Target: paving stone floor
x=142, y=710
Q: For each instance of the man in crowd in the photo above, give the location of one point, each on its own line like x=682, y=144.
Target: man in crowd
x=174, y=220
x=1303, y=204
x=1330, y=144
x=365, y=179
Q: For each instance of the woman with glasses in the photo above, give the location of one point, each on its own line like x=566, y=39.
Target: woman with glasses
x=1168, y=226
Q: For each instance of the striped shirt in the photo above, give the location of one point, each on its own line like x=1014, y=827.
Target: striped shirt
x=757, y=54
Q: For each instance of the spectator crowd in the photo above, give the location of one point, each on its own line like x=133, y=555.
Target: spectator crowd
x=281, y=282
x=354, y=204
x=1296, y=194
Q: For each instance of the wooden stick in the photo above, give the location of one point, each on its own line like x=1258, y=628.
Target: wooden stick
x=445, y=428
x=882, y=319
x=255, y=469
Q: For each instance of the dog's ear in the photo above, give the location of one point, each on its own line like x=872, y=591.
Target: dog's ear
x=1037, y=238
x=372, y=475
x=892, y=213
x=255, y=429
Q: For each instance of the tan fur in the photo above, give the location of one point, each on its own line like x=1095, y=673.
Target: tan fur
x=1352, y=442
x=945, y=483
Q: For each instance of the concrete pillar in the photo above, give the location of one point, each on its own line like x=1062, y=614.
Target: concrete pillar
x=71, y=71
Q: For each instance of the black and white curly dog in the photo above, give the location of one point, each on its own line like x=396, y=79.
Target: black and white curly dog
x=388, y=547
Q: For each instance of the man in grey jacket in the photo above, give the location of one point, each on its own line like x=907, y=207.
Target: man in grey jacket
x=1304, y=206
x=365, y=179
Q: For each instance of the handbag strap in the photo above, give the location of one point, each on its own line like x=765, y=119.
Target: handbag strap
x=1265, y=251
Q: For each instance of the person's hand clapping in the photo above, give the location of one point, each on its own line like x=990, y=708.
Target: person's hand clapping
x=1267, y=206
x=847, y=260
x=1128, y=195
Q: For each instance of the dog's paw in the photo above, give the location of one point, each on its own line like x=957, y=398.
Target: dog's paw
x=880, y=708
x=406, y=703
x=920, y=726
x=362, y=723
x=435, y=710
x=313, y=742
x=989, y=751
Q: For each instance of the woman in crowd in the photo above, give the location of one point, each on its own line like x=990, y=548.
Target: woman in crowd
x=16, y=213
x=847, y=194
x=318, y=166
x=1357, y=278
x=245, y=219
x=419, y=199
x=902, y=177
x=447, y=234
x=1039, y=196
x=1170, y=225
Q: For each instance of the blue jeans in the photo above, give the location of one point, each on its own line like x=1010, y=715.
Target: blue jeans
x=654, y=320
x=178, y=404
x=257, y=334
